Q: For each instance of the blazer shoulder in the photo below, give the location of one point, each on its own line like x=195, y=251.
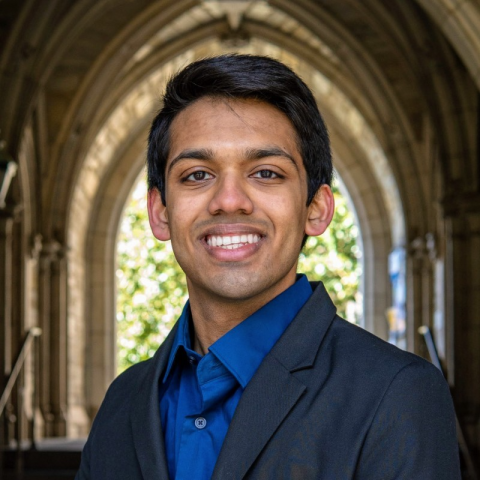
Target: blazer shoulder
x=129, y=381
x=363, y=352
x=350, y=348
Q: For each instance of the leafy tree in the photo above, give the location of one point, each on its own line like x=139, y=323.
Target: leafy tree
x=335, y=259
x=151, y=287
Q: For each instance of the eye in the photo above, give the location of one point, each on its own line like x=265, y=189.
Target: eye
x=266, y=174
x=198, y=176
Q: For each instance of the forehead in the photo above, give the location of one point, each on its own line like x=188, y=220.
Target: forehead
x=238, y=122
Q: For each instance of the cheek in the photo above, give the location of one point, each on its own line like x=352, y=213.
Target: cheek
x=181, y=214
x=288, y=212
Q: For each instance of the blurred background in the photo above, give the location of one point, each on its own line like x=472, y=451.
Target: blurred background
x=85, y=289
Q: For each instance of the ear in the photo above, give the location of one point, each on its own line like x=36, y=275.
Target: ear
x=157, y=215
x=320, y=212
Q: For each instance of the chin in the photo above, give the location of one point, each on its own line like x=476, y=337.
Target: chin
x=239, y=288
x=239, y=293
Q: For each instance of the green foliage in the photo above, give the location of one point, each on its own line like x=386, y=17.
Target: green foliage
x=151, y=287
x=335, y=259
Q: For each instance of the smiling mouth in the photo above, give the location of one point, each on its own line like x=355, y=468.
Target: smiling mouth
x=231, y=242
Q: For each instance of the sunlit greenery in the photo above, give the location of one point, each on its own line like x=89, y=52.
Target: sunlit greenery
x=151, y=288
x=335, y=259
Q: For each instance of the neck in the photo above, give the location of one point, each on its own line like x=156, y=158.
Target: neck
x=213, y=317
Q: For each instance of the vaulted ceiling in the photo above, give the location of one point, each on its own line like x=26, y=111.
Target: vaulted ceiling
x=65, y=66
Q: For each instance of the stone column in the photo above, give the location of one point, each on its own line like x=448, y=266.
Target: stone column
x=6, y=231
x=8, y=330
x=415, y=284
x=53, y=354
x=463, y=311
x=422, y=256
x=59, y=341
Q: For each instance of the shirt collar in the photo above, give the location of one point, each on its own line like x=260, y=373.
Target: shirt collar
x=242, y=349
x=182, y=338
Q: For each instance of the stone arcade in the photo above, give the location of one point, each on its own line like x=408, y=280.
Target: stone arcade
x=398, y=83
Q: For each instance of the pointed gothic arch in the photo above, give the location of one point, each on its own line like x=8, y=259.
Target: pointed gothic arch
x=410, y=68
x=115, y=159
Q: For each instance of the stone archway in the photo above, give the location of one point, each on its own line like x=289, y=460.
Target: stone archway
x=410, y=67
x=115, y=159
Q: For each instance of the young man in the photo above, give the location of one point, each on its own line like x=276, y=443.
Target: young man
x=259, y=378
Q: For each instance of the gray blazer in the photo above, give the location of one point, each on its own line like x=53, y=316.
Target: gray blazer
x=330, y=401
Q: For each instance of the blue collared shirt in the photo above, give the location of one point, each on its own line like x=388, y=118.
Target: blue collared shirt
x=198, y=395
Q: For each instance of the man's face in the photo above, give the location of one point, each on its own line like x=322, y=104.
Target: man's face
x=236, y=193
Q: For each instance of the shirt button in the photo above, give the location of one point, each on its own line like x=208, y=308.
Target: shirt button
x=191, y=359
x=200, y=423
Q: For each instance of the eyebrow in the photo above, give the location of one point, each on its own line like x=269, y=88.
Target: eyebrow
x=259, y=153
x=250, y=154
x=192, y=153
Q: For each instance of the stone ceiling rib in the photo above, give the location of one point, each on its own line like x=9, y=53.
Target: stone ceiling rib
x=460, y=22
x=205, y=13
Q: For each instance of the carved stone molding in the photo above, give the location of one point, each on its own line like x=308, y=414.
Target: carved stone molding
x=51, y=250
x=36, y=246
x=423, y=247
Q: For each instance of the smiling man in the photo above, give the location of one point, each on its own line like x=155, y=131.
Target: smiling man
x=259, y=378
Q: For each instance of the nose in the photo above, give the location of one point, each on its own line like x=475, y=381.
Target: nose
x=231, y=196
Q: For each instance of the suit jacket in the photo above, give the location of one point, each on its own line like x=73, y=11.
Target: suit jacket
x=330, y=401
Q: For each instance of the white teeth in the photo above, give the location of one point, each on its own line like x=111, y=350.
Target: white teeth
x=233, y=241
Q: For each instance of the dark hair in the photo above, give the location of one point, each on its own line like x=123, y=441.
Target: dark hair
x=245, y=77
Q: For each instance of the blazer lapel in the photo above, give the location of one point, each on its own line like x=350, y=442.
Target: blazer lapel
x=263, y=406
x=274, y=390
x=145, y=418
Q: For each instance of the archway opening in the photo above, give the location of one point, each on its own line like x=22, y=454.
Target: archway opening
x=115, y=158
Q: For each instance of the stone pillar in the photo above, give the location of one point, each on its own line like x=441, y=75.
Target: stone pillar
x=8, y=336
x=59, y=341
x=422, y=257
x=415, y=293
x=6, y=231
x=53, y=350
x=9, y=332
x=33, y=367
x=463, y=312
